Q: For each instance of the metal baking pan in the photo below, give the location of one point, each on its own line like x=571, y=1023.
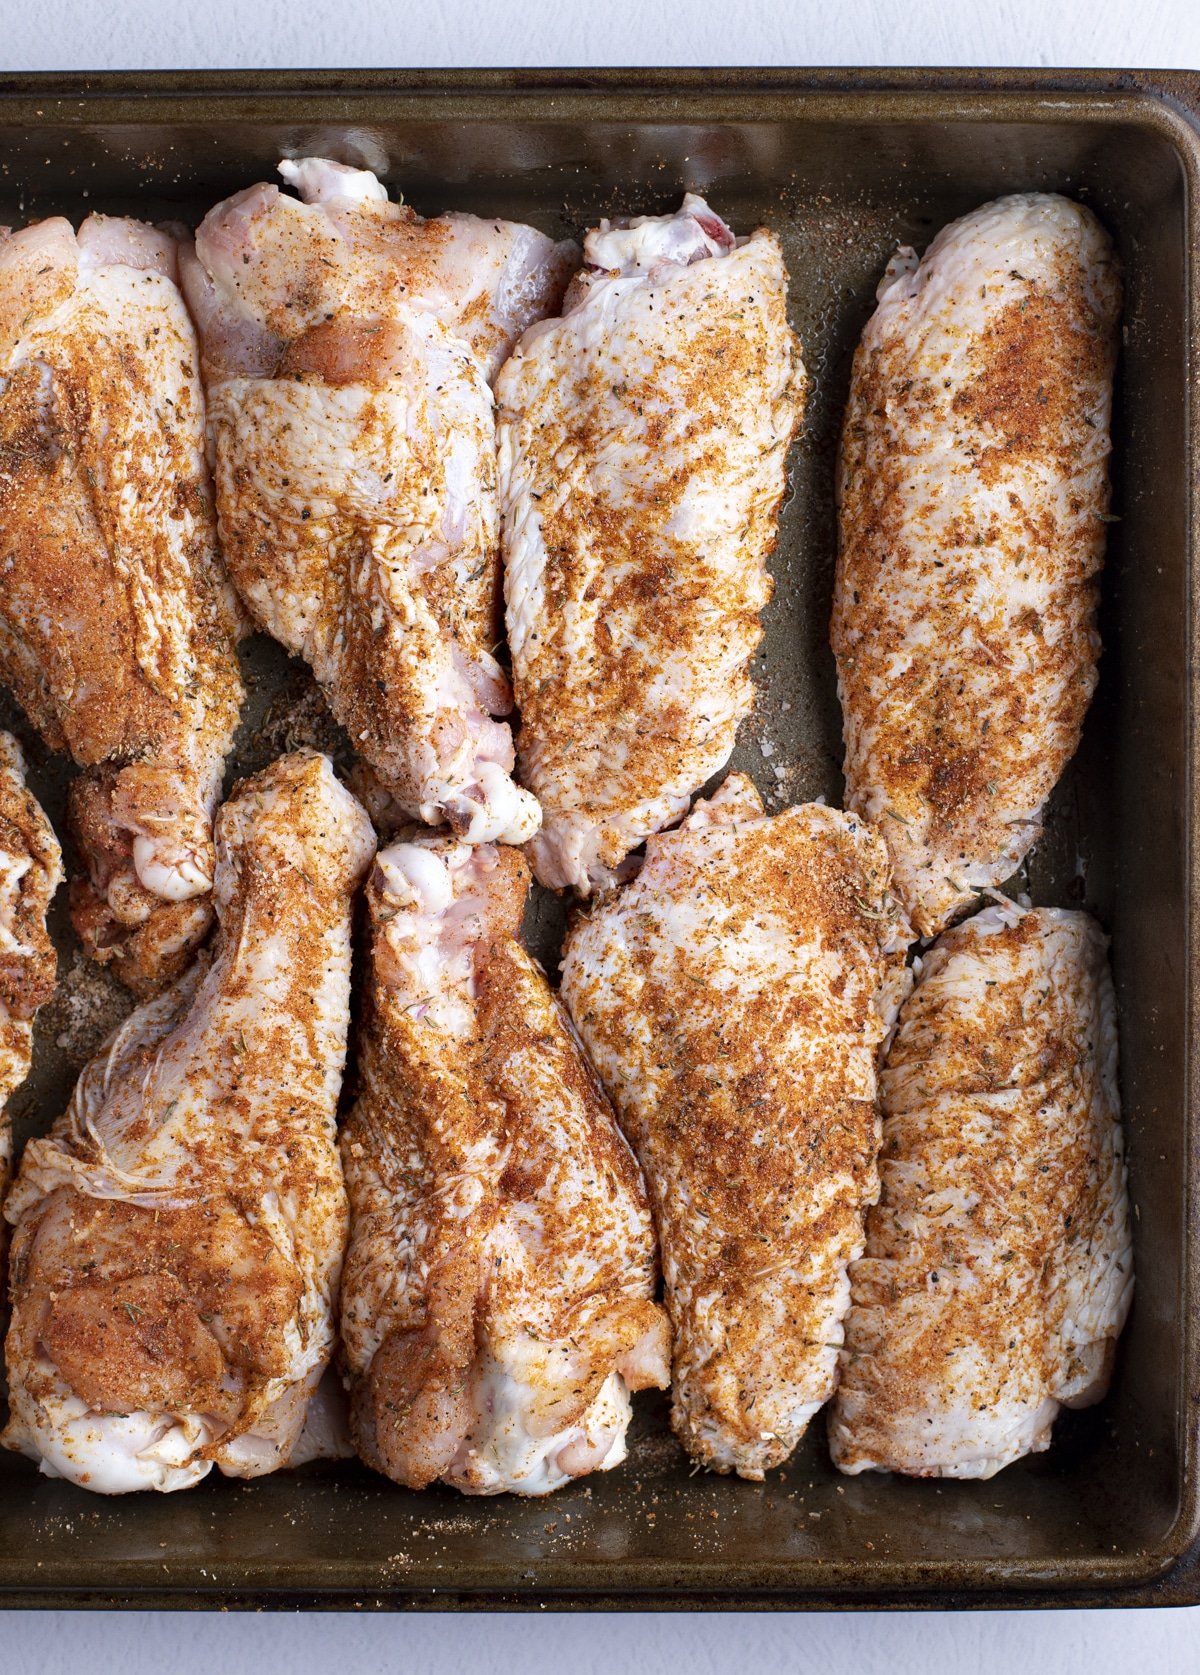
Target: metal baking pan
x=843, y=164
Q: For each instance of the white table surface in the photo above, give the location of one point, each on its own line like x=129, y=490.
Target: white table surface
x=251, y=34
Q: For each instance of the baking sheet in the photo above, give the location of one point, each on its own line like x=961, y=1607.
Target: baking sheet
x=842, y=174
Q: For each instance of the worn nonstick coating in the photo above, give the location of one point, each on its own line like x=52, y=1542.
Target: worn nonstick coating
x=842, y=165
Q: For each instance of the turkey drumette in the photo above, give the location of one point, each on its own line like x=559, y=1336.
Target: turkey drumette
x=179, y=1233
x=30, y=872
x=973, y=488
x=643, y=456
x=999, y=1267
x=117, y=627
x=498, y=1302
x=348, y=351
x=732, y=998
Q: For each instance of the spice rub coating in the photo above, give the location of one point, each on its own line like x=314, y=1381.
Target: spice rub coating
x=973, y=499
x=117, y=625
x=999, y=1267
x=348, y=351
x=643, y=446
x=498, y=1301
x=179, y=1233
x=733, y=998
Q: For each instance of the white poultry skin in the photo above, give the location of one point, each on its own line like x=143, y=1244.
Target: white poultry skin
x=643, y=448
x=30, y=872
x=179, y=1233
x=348, y=350
x=732, y=998
x=118, y=627
x=498, y=1300
x=999, y=1268
x=973, y=497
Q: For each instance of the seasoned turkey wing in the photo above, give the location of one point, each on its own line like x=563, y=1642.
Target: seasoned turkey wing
x=179, y=1233
x=732, y=998
x=999, y=1268
x=498, y=1302
x=348, y=351
x=973, y=497
x=117, y=626
x=643, y=447
x=30, y=872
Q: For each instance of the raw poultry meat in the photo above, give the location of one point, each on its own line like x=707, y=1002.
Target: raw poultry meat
x=117, y=626
x=999, y=1268
x=348, y=348
x=973, y=489
x=498, y=1303
x=643, y=447
x=732, y=998
x=179, y=1233
x=30, y=872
